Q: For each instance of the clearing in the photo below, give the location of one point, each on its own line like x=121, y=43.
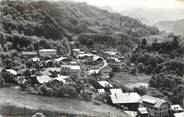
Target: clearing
x=14, y=97
x=129, y=80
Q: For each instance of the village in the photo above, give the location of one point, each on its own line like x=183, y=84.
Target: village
x=91, y=58
x=90, y=75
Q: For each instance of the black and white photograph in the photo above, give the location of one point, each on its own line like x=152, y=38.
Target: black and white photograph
x=91, y=58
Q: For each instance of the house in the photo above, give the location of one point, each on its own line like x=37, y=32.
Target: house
x=13, y=72
x=29, y=53
x=54, y=69
x=116, y=91
x=156, y=107
x=72, y=70
x=129, y=100
x=43, y=79
x=1, y=69
x=61, y=78
x=112, y=52
x=84, y=56
x=76, y=50
x=35, y=59
x=125, y=98
x=104, y=84
x=90, y=72
x=179, y=114
x=176, y=108
x=47, y=52
x=142, y=112
x=101, y=91
x=60, y=59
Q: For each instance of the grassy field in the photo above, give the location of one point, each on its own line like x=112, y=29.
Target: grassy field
x=123, y=78
x=12, y=100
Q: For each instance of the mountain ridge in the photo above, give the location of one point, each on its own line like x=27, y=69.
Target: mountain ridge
x=172, y=26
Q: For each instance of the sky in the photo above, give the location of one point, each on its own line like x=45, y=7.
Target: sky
x=119, y=5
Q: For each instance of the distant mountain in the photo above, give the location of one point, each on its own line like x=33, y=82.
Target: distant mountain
x=172, y=26
x=154, y=15
x=108, y=8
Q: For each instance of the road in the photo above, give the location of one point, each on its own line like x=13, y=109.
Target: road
x=105, y=64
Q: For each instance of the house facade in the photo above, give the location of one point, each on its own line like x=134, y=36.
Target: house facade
x=29, y=53
x=47, y=52
x=156, y=107
x=129, y=100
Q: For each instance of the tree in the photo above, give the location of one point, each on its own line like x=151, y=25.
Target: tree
x=141, y=90
x=72, y=92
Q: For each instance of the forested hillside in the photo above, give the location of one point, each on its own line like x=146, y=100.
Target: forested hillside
x=31, y=20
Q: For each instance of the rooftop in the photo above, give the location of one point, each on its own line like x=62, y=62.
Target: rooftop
x=176, y=107
x=125, y=98
x=36, y=59
x=143, y=110
x=76, y=50
x=62, y=78
x=116, y=91
x=47, y=50
x=60, y=59
x=179, y=114
x=86, y=54
x=101, y=91
x=73, y=67
x=153, y=101
x=105, y=84
x=12, y=71
x=43, y=79
x=93, y=71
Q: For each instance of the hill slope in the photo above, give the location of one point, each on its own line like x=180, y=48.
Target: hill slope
x=172, y=26
x=55, y=20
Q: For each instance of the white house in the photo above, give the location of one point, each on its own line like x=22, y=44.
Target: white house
x=105, y=84
x=176, y=108
x=61, y=78
x=156, y=107
x=128, y=100
x=13, y=72
x=60, y=59
x=142, y=112
x=125, y=98
x=116, y=91
x=179, y=114
x=43, y=79
x=47, y=52
x=29, y=53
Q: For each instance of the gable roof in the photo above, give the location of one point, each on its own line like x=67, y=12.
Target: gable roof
x=179, y=114
x=47, y=50
x=12, y=71
x=152, y=101
x=125, y=98
x=105, y=84
x=143, y=110
x=29, y=52
x=60, y=59
x=176, y=107
x=43, y=79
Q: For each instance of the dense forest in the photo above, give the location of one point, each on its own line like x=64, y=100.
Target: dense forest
x=164, y=61
x=24, y=24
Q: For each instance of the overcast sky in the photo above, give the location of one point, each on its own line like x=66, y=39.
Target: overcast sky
x=119, y=5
